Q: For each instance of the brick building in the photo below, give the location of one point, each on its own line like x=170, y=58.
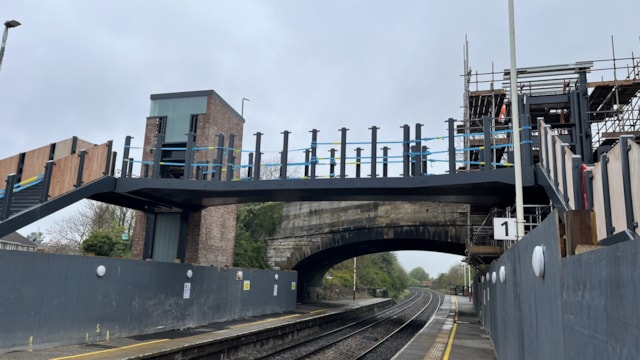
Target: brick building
x=200, y=120
x=15, y=241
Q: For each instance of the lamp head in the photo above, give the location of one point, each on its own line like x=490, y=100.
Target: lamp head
x=11, y=23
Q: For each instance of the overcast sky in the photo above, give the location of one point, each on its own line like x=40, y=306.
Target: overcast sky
x=87, y=68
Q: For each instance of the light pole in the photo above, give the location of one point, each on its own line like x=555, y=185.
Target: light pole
x=515, y=112
x=7, y=25
x=242, y=107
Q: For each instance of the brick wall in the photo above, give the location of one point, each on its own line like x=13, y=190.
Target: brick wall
x=211, y=232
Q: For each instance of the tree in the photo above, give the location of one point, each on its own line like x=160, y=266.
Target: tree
x=255, y=223
x=417, y=276
x=271, y=168
x=37, y=237
x=99, y=243
x=92, y=217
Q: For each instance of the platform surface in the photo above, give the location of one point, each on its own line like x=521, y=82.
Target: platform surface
x=134, y=346
x=454, y=333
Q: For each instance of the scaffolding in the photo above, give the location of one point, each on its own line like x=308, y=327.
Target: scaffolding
x=613, y=101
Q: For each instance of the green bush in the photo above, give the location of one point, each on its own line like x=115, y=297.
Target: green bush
x=99, y=243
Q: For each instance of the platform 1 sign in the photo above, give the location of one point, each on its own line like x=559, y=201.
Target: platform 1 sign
x=504, y=229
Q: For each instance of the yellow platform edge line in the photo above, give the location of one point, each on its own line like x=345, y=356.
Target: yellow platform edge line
x=447, y=352
x=263, y=321
x=109, y=350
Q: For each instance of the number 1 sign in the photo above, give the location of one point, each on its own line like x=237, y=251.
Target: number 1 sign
x=504, y=229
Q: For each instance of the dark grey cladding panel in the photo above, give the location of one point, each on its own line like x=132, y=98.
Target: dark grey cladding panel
x=524, y=314
x=59, y=299
x=601, y=289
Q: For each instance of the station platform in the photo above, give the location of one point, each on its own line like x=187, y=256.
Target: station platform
x=141, y=347
x=454, y=333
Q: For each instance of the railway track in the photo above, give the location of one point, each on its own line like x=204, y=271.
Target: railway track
x=375, y=337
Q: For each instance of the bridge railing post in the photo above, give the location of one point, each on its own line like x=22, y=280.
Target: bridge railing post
x=576, y=176
x=8, y=196
x=624, y=149
x=188, y=157
x=231, y=158
x=332, y=163
x=46, y=180
x=374, y=148
x=385, y=161
x=130, y=168
x=314, y=152
x=554, y=139
x=111, y=159
x=258, y=157
x=452, y=146
x=157, y=155
x=358, y=161
x=563, y=162
x=82, y=155
x=487, y=157
x=606, y=194
x=307, y=162
x=588, y=179
x=284, y=156
x=418, y=156
x=124, y=172
x=343, y=152
x=406, y=151
x=217, y=167
x=525, y=139
x=250, y=166
x=424, y=159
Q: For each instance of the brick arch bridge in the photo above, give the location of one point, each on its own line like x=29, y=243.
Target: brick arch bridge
x=314, y=236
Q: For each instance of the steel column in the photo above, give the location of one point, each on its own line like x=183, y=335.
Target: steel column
x=486, y=153
x=332, y=163
x=452, y=146
x=625, y=147
x=188, y=157
x=284, y=156
x=258, y=159
x=525, y=139
x=555, y=161
x=46, y=180
x=418, y=157
x=307, y=162
x=358, y=159
x=217, y=173
x=583, y=106
x=157, y=155
x=250, y=167
x=565, y=148
x=231, y=158
x=588, y=179
x=110, y=157
x=385, y=161
x=406, y=152
x=578, y=191
x=82, y=155
x=8, y=195
x=125, y=157
x=374, y=150
x=606, y=194
x=343, y=152
x=314, y=152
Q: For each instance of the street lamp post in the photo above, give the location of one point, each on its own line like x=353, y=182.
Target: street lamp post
x=242, y=107
x=7, y=25
x=515, y=112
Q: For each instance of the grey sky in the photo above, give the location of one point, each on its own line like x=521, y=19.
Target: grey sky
x=87, y=68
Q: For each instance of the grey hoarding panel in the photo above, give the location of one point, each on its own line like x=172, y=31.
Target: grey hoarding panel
x=59, y=299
